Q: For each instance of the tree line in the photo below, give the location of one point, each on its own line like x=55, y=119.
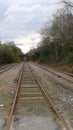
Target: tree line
x=56, y=44
x=9, y=53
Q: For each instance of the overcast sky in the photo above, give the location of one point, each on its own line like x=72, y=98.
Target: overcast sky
x=21, y=20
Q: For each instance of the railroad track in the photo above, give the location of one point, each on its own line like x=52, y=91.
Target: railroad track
x=29, y=90
x=5, y=68
x=57, y=73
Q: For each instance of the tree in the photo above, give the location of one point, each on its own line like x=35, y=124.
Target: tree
x=68, y=3
x=57, y=37
x=9, y=53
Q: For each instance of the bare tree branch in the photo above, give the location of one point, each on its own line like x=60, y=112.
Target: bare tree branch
x=68, y=3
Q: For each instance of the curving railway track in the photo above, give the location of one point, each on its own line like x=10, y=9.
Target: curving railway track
x=30, y=91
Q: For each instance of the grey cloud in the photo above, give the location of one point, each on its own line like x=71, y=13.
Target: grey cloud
x=20, y=17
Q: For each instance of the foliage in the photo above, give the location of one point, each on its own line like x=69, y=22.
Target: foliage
x=9, y=53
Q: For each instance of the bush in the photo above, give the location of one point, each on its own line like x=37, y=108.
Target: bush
x=9, y=54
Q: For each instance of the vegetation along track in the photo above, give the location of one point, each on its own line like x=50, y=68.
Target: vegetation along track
x=33, y=90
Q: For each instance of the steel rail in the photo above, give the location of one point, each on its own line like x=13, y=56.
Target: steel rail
x=58, y=75
x=15, y=101
x=3, y=69
x=50, y=104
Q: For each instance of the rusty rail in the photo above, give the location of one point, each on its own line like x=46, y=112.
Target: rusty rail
x=15, y=101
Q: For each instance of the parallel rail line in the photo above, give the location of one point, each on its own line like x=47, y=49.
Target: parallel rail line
x=56, y=74
x=5, y=68
x=17, y=98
